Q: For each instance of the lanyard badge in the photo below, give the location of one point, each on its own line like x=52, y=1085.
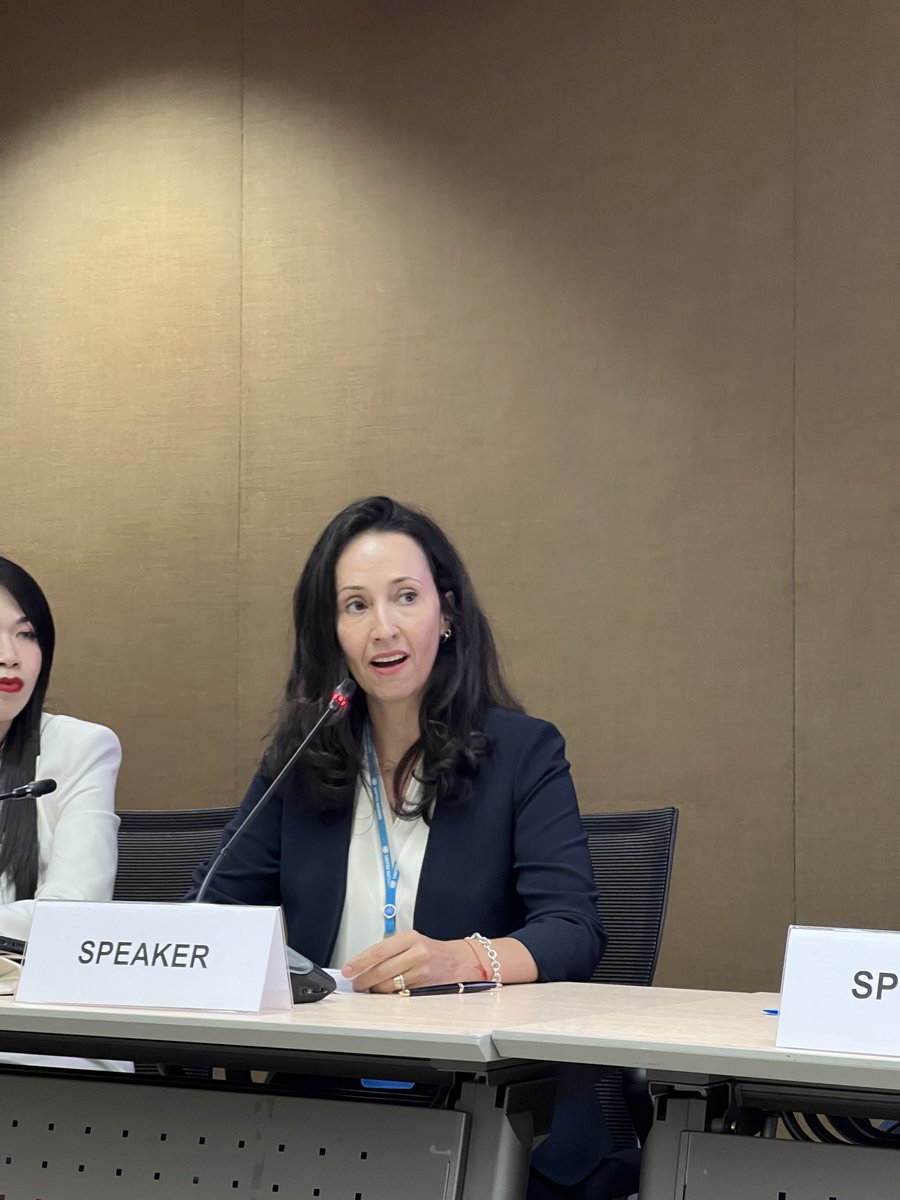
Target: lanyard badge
x=389, y=866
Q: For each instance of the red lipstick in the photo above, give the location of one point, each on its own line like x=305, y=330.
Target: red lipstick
x=11, y=685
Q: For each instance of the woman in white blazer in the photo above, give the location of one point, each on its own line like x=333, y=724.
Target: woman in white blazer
x=76, y=824
x=61, y=846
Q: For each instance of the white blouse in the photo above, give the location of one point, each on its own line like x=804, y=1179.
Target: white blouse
x=76, y=825
x=362, y=919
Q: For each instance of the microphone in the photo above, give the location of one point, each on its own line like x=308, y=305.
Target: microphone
x=308, y=982
x=37, y=787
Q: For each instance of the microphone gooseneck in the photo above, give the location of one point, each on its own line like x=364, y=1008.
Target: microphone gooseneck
x=334, y=710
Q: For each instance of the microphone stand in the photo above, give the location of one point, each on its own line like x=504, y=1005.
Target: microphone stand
x=308, y=982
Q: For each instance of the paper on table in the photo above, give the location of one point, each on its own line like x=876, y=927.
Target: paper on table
x=343, y=983
x=9, y=976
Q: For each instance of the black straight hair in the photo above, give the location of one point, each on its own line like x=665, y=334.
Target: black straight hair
x=22, y=745
x=465, y=681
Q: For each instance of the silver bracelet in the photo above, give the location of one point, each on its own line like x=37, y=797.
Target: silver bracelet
x=491, y=953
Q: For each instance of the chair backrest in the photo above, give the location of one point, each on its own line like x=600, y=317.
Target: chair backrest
x=159, y=849
x=631, y=855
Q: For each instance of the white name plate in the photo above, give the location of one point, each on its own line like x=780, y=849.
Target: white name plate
x=203, y=956
x=841, y=991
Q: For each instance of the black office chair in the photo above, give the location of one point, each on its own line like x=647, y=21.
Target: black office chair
x=159, y=849
x=631, y=854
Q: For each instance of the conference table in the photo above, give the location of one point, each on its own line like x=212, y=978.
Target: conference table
x=718, y=1078
x=492, y=1058
x=99, y=1136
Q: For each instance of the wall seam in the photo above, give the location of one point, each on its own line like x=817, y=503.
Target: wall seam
x=242, y=12
x=796, y=6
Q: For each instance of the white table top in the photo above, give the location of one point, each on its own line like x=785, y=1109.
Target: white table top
x=716, y=1033
x=457, y=1029
x=723, y=1033
x=460, y=1026
x=451, y=1028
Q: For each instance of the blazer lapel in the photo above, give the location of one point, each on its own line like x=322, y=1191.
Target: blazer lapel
x=444, y=862
x=318, y=887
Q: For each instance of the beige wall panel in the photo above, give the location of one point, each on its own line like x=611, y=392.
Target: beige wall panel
x=848, y=464
x=119, y=326
x=533, y=270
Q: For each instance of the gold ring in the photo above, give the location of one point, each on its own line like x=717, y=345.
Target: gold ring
x=399, y=983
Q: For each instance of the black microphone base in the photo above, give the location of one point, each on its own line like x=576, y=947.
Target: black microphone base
x=309, y=986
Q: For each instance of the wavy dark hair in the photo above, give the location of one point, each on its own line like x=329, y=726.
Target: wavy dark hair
x=465, y=681
x=22, y=745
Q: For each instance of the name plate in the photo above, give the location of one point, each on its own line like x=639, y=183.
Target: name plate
x=841, y=991
x=136, y=955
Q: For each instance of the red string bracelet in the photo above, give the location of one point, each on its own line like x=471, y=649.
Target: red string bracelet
x=478, y=962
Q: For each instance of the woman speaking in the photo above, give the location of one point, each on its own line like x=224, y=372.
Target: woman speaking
x=433, y=835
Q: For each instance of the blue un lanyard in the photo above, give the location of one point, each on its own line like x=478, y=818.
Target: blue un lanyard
x=391, y=869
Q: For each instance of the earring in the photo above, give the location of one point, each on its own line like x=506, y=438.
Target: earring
x=446, y=636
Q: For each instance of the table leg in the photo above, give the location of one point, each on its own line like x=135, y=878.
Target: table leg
x=505, y=1125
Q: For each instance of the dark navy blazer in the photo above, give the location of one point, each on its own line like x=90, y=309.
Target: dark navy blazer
x=512, y=861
